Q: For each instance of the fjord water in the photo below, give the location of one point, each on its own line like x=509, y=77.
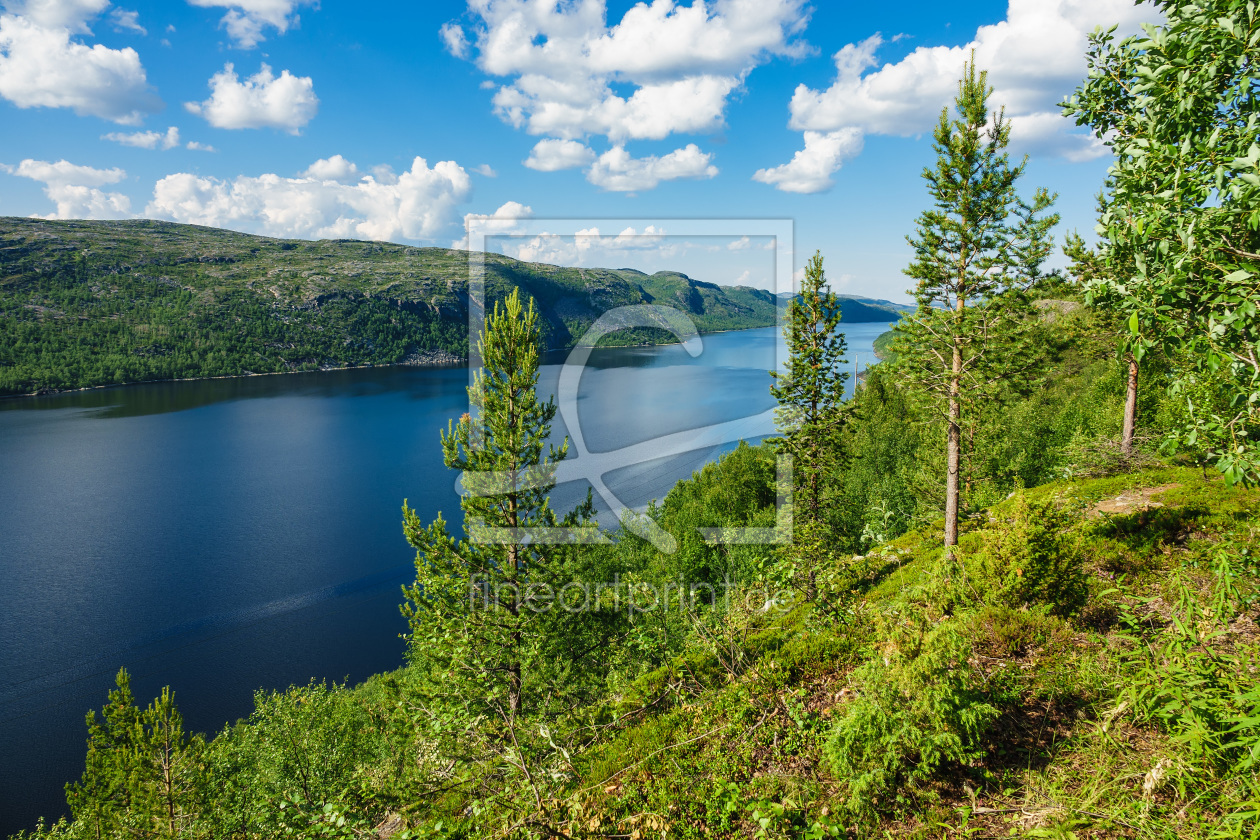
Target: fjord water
x=222, y=536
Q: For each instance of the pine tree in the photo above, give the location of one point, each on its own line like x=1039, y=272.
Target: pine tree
x=976, y=250
x=172, y=766
x=481, y=611
x=101, y=798
x=143, y=773
x=812, y=415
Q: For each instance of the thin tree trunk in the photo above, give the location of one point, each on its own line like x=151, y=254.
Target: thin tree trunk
x=814, y=502
x=514, y=680
x=1130, y=409
x=514, y=667
x=167, y=764
x=517, y=566
x=811, y=583
x=170, y=797
x=953, y=450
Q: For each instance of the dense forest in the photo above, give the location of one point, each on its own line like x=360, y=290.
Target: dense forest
x=85, y=303
x=1012, y=589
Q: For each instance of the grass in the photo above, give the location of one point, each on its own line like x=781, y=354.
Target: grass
x=745, y=754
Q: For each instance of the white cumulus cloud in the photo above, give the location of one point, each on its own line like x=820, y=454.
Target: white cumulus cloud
x=653, y=112
x=588, y=246
x=566, y=72
x=146, y=139
x=615, y=170
x=452, y=35
x=554, y=155
x=43, y=65
x=72, y=15
x=549, y=248
x=74, y=189
x=127, y=21
x=263, y=100
x=810, y=169
x=414, y=205
x=629, y=239
x=1046, y=133
x=1035, y=57
x=335, y=168
x=246, y=20
x=505, y=220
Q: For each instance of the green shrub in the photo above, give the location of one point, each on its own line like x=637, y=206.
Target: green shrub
x=1004, y=631
x=918, y=706
x=1028, y=559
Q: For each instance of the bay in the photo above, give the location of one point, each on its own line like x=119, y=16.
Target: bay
x=225, y=536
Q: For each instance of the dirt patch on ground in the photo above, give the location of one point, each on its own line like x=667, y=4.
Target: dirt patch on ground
x=1131, y=501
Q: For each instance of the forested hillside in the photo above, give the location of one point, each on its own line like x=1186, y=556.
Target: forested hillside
x=95, y=303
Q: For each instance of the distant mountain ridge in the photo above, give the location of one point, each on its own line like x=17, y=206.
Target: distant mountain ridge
x=86, y=303
x=881, y=302
x=860, y=310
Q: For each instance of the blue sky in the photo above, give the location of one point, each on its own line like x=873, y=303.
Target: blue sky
x=397, y=120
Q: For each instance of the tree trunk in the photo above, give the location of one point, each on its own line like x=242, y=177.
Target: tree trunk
x=514, y=666
x=953, y=450
x=516, y=565
x=514, y=681
x=170, y=799
x=1130, y=409
x=815, y=514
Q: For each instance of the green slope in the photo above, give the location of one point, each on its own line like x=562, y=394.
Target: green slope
x=85, y=303
x=721, y=307
x=883, y=346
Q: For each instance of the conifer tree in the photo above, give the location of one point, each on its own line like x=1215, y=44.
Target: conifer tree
x=102, y=796
x=976, y=250
x=171, y=767
x=481, y=611
x=143, y=774
x=812, y=415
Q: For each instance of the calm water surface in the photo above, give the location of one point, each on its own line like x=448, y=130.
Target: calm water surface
x=228, y=535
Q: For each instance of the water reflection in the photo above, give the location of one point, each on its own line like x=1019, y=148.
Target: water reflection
x=164, y=397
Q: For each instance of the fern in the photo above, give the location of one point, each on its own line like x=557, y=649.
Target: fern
x=918, y=707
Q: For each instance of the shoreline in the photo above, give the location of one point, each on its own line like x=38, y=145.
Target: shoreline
x=450, y=360
x=453, y=361
x=442, y=360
